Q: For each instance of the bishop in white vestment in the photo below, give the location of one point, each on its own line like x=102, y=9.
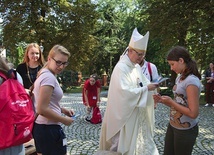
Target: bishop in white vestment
x=128, y=122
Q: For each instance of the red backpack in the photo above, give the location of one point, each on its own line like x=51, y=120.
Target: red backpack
x=96, y=117
x=16, y=113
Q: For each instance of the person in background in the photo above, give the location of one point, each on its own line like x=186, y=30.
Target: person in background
x=91, y=95
x=19, y=78
x=149, y=69
x=79, y=78
x=32, y=63
x=182, y=129
x=14, y=150
x=11, y=66
x=47, y=132
x=128, y=122
x=209, y=90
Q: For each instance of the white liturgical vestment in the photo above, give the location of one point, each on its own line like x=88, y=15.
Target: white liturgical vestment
x=129, y=111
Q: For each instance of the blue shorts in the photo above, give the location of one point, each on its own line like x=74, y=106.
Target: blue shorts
x=49, y=139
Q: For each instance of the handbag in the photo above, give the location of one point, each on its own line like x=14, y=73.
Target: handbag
x=96, y=116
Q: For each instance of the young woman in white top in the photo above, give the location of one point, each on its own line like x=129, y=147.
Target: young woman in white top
x=48, y=134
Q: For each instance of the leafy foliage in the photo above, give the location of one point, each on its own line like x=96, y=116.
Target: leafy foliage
x=51, y=22
x=97, y=32
x=67, y=79
x=185, y=23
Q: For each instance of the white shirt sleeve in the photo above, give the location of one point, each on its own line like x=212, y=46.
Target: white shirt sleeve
x=19, y=78
x=154, y=72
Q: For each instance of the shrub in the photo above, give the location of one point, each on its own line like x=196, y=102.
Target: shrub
x=67, y=79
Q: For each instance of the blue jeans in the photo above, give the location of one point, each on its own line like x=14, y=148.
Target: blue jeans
x=180, y=142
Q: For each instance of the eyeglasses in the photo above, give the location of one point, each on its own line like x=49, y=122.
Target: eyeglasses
x=59, y=63
x=139, y=54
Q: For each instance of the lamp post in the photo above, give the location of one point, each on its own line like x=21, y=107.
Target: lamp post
x=111, y=56
x=110, y=65
x=41, y=47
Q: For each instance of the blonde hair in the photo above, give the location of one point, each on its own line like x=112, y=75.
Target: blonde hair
x=41, y=57
x=58, y=49
x=55, y=50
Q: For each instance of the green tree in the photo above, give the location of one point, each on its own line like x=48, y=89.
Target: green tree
x=186, y=23
x=69, y=23
x=112, y=32
x=97, y=32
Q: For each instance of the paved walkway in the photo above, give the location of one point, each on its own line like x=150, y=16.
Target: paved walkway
x=83, y=137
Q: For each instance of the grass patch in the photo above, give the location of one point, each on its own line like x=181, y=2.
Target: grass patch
x=74, y=89
x=78, y=89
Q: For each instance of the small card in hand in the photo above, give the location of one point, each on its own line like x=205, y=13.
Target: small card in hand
x=160, y=80
x=75, y=116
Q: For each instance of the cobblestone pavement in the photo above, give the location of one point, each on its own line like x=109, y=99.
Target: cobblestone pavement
x=83, y=137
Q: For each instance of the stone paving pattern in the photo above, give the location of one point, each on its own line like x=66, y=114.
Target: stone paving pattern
x=83, y=137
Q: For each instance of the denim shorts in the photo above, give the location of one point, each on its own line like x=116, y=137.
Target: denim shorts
x=49, y=139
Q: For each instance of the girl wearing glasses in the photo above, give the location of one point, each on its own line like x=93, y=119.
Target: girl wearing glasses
x=48, y=134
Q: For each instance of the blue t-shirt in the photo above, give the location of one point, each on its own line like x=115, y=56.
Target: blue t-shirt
x=177, y=119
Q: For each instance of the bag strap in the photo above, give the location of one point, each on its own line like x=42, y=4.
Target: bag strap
x=3, y=75
x=11, y=73
x=150, y=70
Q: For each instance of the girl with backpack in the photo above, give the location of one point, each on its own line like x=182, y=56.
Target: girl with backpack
x=13, y=150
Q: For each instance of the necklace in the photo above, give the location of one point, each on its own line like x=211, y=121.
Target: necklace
x=28, y=73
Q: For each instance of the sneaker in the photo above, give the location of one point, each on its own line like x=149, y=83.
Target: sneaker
x=206, y=105
x=87, y=119
x=213, y=105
